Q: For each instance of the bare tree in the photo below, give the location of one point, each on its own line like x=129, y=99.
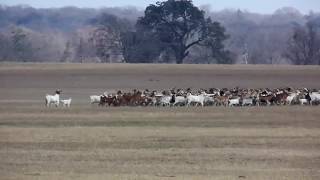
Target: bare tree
x=5, y=47
x=21, y=45
x=67, y=53
x=304, y=45
x=107, y=43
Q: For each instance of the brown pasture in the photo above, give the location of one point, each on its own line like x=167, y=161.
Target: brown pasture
x=151, y=143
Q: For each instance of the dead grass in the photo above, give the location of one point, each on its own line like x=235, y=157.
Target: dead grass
x=84, y=142
x=160, y=143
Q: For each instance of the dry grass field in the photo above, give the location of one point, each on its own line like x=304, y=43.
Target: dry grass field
x=148, y=143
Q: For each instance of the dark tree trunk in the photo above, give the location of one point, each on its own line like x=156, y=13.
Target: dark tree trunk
x=180, y=55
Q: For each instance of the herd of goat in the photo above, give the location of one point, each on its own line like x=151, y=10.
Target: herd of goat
x=202, y=97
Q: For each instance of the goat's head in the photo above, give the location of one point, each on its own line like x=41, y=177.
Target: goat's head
x=58, y=91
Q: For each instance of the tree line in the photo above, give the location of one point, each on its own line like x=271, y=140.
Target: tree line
x=165, y=32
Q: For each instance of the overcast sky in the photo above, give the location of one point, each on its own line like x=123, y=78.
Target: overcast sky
x=261, y=6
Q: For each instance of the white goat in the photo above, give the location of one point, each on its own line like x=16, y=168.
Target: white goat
x=247, y=102
x=53, y=99
x=180, y=100
x=165, y=100
x=95, y=99
x=195, y=99
x=66, y=102
x=314, y=97
x=291, y=97
x=234, y=102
